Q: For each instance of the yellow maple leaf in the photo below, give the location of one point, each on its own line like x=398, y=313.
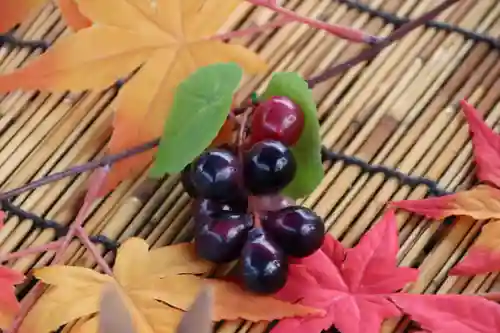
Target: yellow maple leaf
x=146, y=280
x=169, y=39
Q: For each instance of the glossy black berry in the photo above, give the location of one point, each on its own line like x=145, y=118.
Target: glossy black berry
x=187, y=182
x=268, y=167
x=297, y=230
x=221, y=239
x=264, y=267
x=216, y=175
x=208, y=207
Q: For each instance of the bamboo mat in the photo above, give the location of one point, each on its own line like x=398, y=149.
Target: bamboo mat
x=400, y=110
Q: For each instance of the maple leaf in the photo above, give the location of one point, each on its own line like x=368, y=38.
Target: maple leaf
x=481, y=203
x=484, y=256
x=351, y=285
x=9, y=306
x=72, y=15
x=145, y=279
x=13, y=12
x=451, y=313
x=486, y=144
x=168, y=41
x=3, y=216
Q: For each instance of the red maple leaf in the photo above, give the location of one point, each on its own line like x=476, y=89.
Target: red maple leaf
x=451, y=313
x=481, y=202
x=357, y=288
x=9, y=305
x=351, y=285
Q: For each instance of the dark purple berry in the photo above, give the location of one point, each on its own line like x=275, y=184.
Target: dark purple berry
x=264, y=267
x=216, y=175
x=221, y=239
x=297, y=230
x=268, y=167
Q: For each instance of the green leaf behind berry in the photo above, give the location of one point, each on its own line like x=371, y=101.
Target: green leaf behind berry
x=307, y=151
x=200, y=107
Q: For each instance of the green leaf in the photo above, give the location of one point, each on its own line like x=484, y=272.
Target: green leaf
x=200, y=107
x=307, y=151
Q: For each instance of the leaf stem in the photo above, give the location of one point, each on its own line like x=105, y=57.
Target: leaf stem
x=328, y=74
x=492, y=296
x=378, y=47
x=253, y=30
x=75, y=229
x=31, y=250
x=344, y=32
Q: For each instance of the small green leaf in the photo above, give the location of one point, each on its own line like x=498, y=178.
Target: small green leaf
x=307, y=151
x=200, y=107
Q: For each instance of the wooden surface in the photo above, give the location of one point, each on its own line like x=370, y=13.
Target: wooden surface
x=399, y=110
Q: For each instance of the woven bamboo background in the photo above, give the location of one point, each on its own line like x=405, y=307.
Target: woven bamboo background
x=399, y=110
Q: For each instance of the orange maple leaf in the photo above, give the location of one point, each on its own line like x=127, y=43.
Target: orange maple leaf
x=169, y=40
x=72, y=15
x=480, y=203
x=13, y=12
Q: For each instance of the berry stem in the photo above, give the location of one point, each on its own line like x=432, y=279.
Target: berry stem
x=256, y=220
x=252, y=206
x=253, y=30
x=242, y=134
x=344, y=32
x=31, y=250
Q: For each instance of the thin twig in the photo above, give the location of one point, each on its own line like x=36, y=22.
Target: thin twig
x=492, y=296
x=110, y=159
x=336, y=70
x=75, y=230
x=344, y=32
x=253, y=30
x=377, y=48
x=31, y=250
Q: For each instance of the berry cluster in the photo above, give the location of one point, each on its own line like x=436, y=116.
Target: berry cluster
x=239, y=213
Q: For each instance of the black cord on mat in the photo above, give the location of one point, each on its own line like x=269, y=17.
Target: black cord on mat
x=11, y=41
x=327, y=155
x=403, y=178
x=398, y=21
x=60, y=230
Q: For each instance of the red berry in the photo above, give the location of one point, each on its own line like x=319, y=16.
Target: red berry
x=278, y=118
